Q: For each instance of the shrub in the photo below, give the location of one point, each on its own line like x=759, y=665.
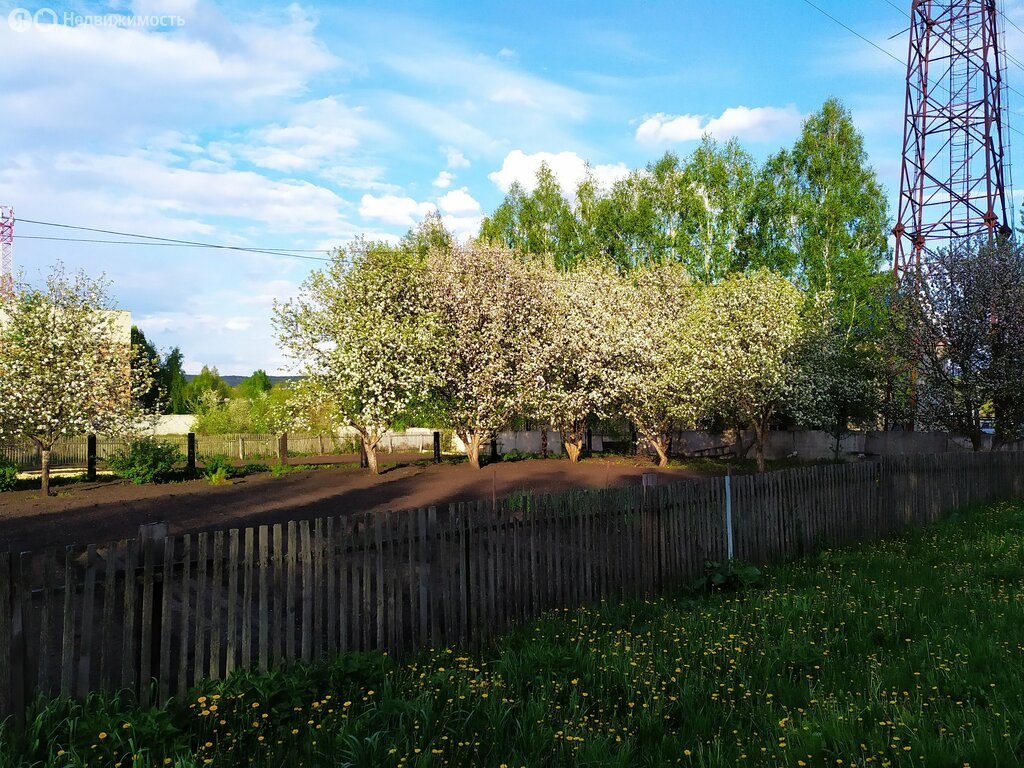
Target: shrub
x=220, y=476
x=8, y=475
x=147, y=461
x=251, y=469
x=217, y=464
x=729, y=576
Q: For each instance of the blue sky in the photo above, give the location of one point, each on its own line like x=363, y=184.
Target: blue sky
x=303, y=126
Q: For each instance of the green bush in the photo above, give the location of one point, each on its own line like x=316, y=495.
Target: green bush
x=8, y=475
x=220, y=476
x=147, y=461
x=217, y=464
x=251, y=469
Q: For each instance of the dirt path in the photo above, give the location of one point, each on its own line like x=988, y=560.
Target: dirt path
x=109, y=511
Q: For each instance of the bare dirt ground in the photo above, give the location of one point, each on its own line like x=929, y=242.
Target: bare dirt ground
x=107, y=511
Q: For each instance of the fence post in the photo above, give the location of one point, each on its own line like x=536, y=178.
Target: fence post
x=282, y=448
x=728, y=508
x=241, y=448
x=191, y=452
x=590, y=442
x=652, y=528
x=437, y=447
x=90, y=458
x=494, y=448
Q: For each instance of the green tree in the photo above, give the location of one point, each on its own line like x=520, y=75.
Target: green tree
x=208, y=380
x=541, y=222
x=717, y=190
x=838, y=215
x=429, y=235
x=146, y=357
x=254, y=385
x=174, y=384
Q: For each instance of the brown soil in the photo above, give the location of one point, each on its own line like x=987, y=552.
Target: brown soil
x=107, y=511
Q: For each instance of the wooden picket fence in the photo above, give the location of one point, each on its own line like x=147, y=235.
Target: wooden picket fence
x=157, y=616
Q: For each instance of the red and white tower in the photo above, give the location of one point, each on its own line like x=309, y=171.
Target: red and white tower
x=955, y=176
x=6, y=251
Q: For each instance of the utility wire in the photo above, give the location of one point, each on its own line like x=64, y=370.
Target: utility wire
x=298, y=253
x=852, y=31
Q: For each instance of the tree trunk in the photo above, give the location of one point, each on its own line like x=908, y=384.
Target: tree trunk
x=370, y=442
x=977, y=441
x=371, y=460
x=572, y=442
x=544, y=443
x=44, y=455
x=573, y=449
x=759, y=435
x=660, y=444
x=472, y=442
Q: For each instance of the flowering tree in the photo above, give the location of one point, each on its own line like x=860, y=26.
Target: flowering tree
x=492, y=311
x=964, y=329
x=649, y=368
x=360, y=331
x=581, y=350
x=746, y=335
x=66, y=368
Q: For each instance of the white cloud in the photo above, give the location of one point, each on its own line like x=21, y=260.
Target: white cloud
x=182, y=8
x=444, y=180
x=462, y=227
x=458, y=201
x=136, y=181
x=568, y=167
x=750, y=124
x=456, y=159
x=483, y=78
x=394, y=210
x=95, y=82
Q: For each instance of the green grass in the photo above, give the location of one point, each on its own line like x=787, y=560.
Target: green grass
x=901, y=653
x=717, y=466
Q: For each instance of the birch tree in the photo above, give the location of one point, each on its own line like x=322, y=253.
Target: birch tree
x=66, y=366
x=491, y=311
x=360, y=332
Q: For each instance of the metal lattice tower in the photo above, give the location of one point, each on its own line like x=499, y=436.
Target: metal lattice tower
x=6, y=251
x=955, y=173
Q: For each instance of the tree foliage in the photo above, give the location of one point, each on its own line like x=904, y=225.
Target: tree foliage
x=490, y=312
x=747, y=342
x=962, y=329
x=65, y=371
x=360, y=331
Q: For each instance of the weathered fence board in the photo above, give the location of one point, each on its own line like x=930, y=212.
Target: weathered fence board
x=180, y=610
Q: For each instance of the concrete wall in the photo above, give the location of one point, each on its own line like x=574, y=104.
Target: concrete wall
x=526, y=442
x=174, y=424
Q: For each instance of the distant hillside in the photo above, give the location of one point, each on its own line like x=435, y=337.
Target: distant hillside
x=234, y=381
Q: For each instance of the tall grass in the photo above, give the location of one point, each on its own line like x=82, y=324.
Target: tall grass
x=906, y=652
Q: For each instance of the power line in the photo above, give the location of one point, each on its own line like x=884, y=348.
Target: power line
x=852, y=31
x=297, y=253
